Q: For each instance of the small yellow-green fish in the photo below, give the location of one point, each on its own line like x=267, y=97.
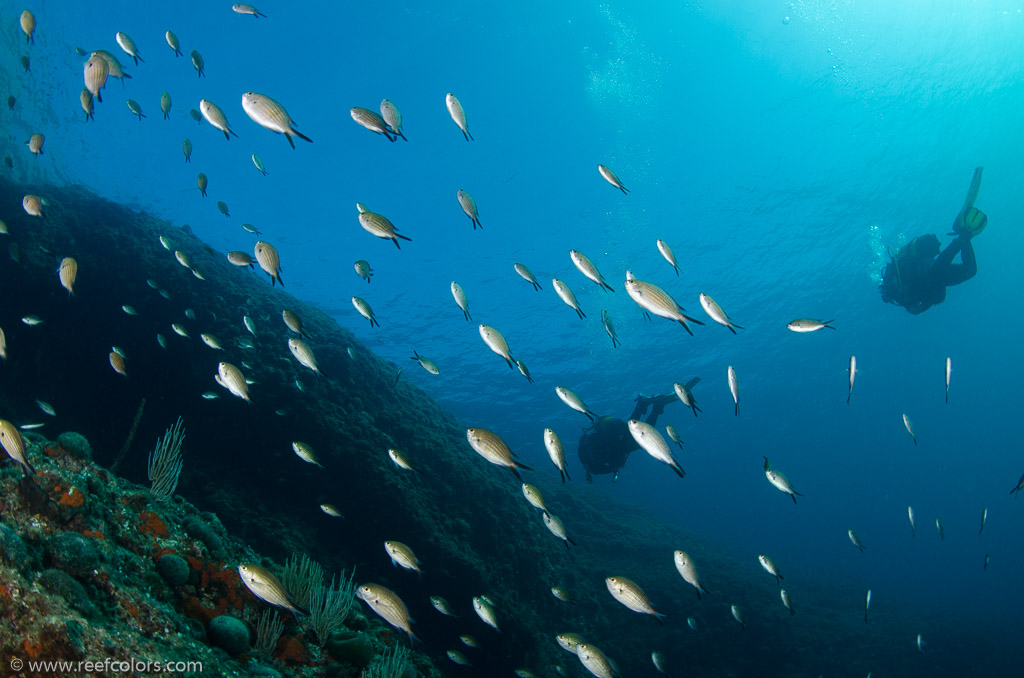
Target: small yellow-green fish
x=496, y=342
x=250, y=324
x=304, y=451
x=32, y=320
x=28, y=26
x=867, y=606
x=223, y=208
x=562, y=595
x=363, y=270
x=198, y=63
x=458, y=658
x=485, y=611
x=570, y=642
x=270, y=114
x=392, y=116
x=631, y=595
x=215, y=116
x=364, y=310
x=388, y=605
x=669, y=255
x=442, y=606
x=3, y=344
x=534, y=496
x=491, y=447
x=211, y=341
x=35, y=143
x=458, y=114
x=659, y=661
x=737, y=614
x=172, y=42
x=610, y=177
x=856, y=540
x=913, y=524
x=128, y=45
x=258, y=162
x=129, y=310
x=68, y=272
x=674, y=435
x=242, y=8
x=426, y=363
x=523, y=370
x=249, y=228
x=688, y=571
x=26, y=64
x=469, y=641
x=402, y=555
x=165, y=105
x=527, y=275
x=202, y=182
x=556, y=452
x=304, y=354
x=984, y=519
x=266, y=257
x=596, y=662
x=117, y=362
x=160, y=339
x=942, y=530
x=231, y=378
x=557, y=527
x=370, y=120
x=400, y=460
x=3, y=227
x=770, y=568
x=293, y=322
x=380, y=226
x=804, y=325
x=784, y=594
x=330, y=510
x=852, y=369
x=195, y=115
x=85, y=97
x=14, y=444
x=780, y=481
x=186, y=146
x=265, y=586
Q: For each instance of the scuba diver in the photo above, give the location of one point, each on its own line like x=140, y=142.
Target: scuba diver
x=605, y=446
x=917, y=276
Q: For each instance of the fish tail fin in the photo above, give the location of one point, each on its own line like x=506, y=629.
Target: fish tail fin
x=167, y=116
x=607, y=286
x=793, y=497
x=676, y=268
x=590, y=415
x=734, y=325
x=469, y=137
x=570, y=540
x=301, y=135
x=697, y=589
x=511, y=363
x=658, y=616
x=476, y=222
x=625, y=191
x=373, y=321
x=848, y=396
x=580, y=311
x=468, y=317
x=177, y=52
x=792, y=612
x=99, y=95
x=828, y=324
x=685, y=326
x=736, y=412
x=402, y=135
x=537, y=287
x=731, y=328
x=403, y=237
x=678, y=469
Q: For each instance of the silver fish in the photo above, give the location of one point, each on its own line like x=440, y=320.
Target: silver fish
x=867, y=605
x=231, y=378
x=68, y=272
x=85, y=98
x=304, y=354
x=198, y=63
x=173, y=43
x=566, y=295
x=128, y=45
x=569, y=397
x=715, y=312
x=909, y=425
x=458, y=658
x=400, y=460
x=606, y=320
x=392, y=116
x=780, y=481
x=556, y=452
x=648, y=438
x=562, y=595
x=737, y=614
x=855, y=540
x=496, y=342
x=524, y=370
x=913, y=525
x=852, y=369
x=734, y=389
x=632, y=596
x=304, y=451
x=610, y=177
x=135, y=108
x=460, y=298
x=784, y=594
x=165, y=105
x=940, y=528
x=388, y=605
x=485, y=611
x=214, y=115
x=46, y=407
x=364, y=309
x=241, y=258
x=769, y=567
x=265, y=586
x=458, y=114
x=468, y=205
x=293, y=322
x=685, y=393
x=804, y=325
x=670, y=257
x=371, y=120
x=380, y=226
x=595, y=661
x=589, y=270
x=658, y=659
x=402, y=555
x=14, y=444
x=534, y=496
x=330, y=510
x=527, y=275
x=35, y=143
x=267, y=258
x=242, y=8
x=129, y=310
x=28, y=26
x=570, y=642
x=557, y=528
x=258, y=162
x=426, y=363
x=363, y=270
x=949, y=370
x=657, y=301
x=442, y=606
x=984, y=519
x=210, y=395
x=491, y=447
x=271, y=115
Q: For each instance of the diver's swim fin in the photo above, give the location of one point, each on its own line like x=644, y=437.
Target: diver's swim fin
x=965, y=211
x=974, y=223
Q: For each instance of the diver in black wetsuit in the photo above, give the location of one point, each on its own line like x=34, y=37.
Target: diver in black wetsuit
x=917, y=276
x=605, y=446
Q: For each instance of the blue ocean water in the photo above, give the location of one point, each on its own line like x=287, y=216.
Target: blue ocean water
x=779, y=148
